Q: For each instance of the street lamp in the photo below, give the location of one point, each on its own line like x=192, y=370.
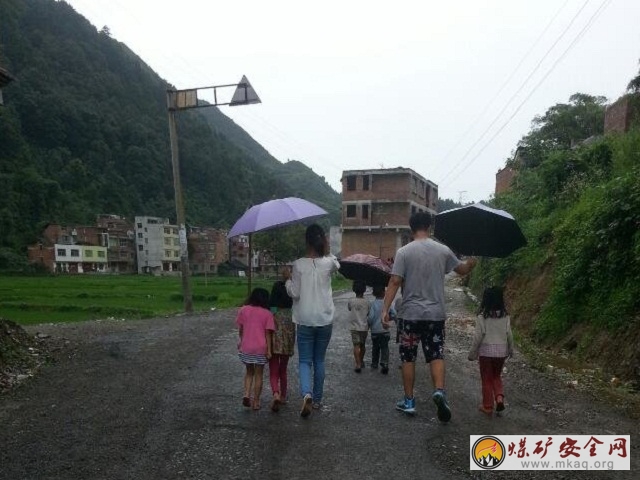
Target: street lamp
x=183, y=100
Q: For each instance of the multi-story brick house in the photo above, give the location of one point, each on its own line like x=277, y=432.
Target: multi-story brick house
x=239, y=250
x=51, y=250
x=120, y=242
x=158, y=245
x=376, y=206
x=208, y=248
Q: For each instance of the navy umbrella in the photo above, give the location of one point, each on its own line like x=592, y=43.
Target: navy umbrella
x=479, y=230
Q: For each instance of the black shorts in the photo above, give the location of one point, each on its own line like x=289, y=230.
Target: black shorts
x=429, y=333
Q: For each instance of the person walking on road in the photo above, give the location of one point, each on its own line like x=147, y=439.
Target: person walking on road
x=492, y=345
x=284, y=338
x=380, y=336
x=359, y=311
x=255, y=327
x=420, y=267
x=309, y=286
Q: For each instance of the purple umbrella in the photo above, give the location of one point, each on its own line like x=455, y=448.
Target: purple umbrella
x=275, y=213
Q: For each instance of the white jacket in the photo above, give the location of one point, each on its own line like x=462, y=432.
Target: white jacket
x=310, y=289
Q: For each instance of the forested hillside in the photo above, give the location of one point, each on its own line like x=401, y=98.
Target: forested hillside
x=577, y=197
x=84, y=131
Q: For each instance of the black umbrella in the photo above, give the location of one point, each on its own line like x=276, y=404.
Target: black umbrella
x=479, y=230
x=369, y=269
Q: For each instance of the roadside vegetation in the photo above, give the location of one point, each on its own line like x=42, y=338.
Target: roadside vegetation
x=576, y=196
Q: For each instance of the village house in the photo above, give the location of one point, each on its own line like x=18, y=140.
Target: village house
x=120, y=243
x=376, y=206
x=208, y=248
x=158, y=245
x=71, y=249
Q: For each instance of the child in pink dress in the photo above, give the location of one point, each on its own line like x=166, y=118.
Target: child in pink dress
x=255, y=325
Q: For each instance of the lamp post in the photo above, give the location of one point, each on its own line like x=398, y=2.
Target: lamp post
x=244, y=94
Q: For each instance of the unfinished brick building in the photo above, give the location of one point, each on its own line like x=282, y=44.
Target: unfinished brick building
x=208, y=248
x=376, y=206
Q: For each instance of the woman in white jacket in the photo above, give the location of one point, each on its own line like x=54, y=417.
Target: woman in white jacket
x=309, y=286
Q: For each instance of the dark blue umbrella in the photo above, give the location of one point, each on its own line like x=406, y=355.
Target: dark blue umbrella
x=479, y=230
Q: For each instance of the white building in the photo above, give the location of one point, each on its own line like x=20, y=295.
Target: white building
x=80, y=259
x=158, y=245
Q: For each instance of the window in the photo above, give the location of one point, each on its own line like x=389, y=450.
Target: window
x=145, y=230
x=146, y=240
x=88, y=253
x=123, y=242
x=75, y=253
x=351, y=211
x=167, y=231
x=176, y=241
x=175, y=231
x=100, y=254
x=176, y=253
x=167, y=241
x=152, y=221
x=351, y=182
x=140, y=235
x=365, y=211
x=365, y=182
x=62, y=252
x=139, y=225
x=167, y=253
x=140, y=247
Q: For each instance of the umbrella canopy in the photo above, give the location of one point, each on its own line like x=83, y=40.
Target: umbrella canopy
x=371, y=270
x=275, y=213
x=479, y=230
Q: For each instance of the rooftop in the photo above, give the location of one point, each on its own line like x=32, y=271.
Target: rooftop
x=387, y=171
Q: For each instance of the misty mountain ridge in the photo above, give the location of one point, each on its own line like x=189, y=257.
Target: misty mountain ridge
x=85, y=131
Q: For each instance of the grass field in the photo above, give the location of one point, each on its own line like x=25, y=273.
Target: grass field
x=29, y=300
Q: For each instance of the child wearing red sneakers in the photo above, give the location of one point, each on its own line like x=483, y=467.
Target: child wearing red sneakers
x=492, y=345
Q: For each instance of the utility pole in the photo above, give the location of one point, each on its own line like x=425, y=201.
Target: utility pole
x=182, y=100
x=180, y=216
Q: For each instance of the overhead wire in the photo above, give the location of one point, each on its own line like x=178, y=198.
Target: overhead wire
x=578, y=37
x=517, y=92
x=484, y=110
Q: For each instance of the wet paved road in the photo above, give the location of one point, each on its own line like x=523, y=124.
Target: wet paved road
x=160, y=399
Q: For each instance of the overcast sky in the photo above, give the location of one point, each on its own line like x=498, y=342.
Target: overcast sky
x=356, y=84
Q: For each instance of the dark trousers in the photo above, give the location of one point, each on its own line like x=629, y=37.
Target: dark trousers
x=380, y=350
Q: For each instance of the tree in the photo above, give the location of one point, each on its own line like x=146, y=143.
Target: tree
x=563, y=125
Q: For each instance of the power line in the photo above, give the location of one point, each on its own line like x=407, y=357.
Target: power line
x=524, y=84
x=463, y=137
x=578, y=37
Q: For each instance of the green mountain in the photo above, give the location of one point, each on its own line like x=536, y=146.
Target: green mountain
x=85, y=131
